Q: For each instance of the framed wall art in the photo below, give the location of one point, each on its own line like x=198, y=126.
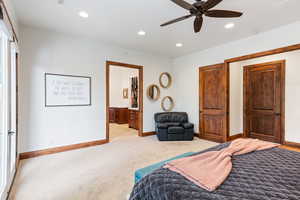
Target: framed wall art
x=67, y=90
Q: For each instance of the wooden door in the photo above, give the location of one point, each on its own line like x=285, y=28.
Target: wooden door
x=213, y=115
x=264, y=101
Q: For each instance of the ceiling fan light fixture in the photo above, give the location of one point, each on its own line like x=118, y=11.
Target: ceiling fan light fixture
x=83, y=14
x=229, y=25
x=179, y=44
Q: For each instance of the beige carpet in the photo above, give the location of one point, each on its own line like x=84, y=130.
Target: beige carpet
x=120, y=130
x=97, y=173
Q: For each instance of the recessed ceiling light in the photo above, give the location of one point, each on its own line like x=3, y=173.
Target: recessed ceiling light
x=229, y=25
x=282, y=2
x=142, y=33
x=61, y=2
x=83, y=14
x=179, y=45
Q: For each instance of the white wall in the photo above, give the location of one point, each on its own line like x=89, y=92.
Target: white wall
x=120, y=79
x=45, y=51
x=185, y=69
x=236, y=99
x=292, y=86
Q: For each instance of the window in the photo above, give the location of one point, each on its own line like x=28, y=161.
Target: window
x=7, y=113
x=2, y=119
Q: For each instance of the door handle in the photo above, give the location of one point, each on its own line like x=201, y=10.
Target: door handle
x=277, y=114
x=11, y=132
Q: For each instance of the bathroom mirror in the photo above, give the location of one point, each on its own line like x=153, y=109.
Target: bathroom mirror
x=153, y=92
x=167, y=104
x=165, y=80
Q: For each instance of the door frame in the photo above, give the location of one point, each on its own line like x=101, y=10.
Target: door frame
x=109, y=64
x=224, y=138
x=280, y=50
x=282, y=63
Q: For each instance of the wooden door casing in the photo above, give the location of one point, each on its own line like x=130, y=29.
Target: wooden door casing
x=140, y=111
x=264, y=92
x=213, y=91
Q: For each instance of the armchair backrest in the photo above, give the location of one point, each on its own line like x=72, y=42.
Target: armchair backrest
x=167, y=117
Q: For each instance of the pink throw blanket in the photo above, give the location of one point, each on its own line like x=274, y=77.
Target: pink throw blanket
x=209, y=170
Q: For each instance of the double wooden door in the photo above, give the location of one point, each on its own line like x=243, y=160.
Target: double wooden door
x=213, y=114
x=264, y=101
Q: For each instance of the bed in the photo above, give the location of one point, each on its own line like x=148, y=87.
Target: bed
x=263, y=175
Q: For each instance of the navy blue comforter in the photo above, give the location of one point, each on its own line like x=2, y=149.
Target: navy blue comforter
x=272, y=174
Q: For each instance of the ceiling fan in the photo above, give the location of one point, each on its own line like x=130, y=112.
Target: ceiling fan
x=200, y=8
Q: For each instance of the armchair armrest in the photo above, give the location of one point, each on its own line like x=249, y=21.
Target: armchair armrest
x=162, y=125
x=188, y=125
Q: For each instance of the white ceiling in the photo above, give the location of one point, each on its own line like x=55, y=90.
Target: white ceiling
x=118, y=21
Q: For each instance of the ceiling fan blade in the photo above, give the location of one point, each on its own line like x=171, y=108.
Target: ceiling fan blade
x=210, y=4
x=176, y=20
x=198, y=24
x=184, y=4
x=222, y=13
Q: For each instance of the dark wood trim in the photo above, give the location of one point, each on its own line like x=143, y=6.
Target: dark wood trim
x=264, y=53
x=141, y=88
x=61, y=149
x=119, y=64
x=292, y=144
x=145, y=134
x=226, y=136
x=290, y=148
x=234, y=137
x=141, y=100
x=9, y=20
x=282, y=63
x=209, y=66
